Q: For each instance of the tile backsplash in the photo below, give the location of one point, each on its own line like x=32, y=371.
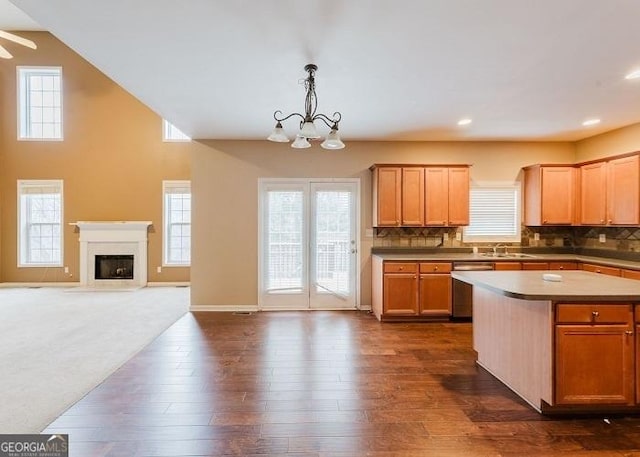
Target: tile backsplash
x=626, y=239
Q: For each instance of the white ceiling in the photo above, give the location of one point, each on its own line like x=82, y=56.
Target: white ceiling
x=396, y=70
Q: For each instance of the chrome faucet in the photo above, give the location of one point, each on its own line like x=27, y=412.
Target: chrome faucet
x=500, y=246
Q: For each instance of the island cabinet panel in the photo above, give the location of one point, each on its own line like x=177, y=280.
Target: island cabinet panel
x=623, y=191
x=435, y=289
x=594, y=355
x=593, y=194
x=387, y=196
x=437, y=196
x=412, y=197
x=549, y=195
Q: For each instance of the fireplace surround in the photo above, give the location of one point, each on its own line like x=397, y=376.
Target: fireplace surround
x=124, y=243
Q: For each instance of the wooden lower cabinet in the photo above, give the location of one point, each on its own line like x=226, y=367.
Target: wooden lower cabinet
x=535, y=266
x=414, y=290
x=435, y=289
x=611, y=271
x=595, y=355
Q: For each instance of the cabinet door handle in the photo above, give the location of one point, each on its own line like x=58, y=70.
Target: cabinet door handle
x=628, y=333
x=400, y=268
x=435, y=268
x=594, y=315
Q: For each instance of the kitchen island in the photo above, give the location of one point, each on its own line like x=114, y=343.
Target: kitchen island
x=563, y=346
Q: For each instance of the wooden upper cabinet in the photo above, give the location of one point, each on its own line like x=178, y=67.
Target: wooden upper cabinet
x=420, y=195
x=412, y=196
x=387, y=196
x=593, y=194
x=459, y=196
x=549, y=195
x=623, y=191
x=436, y=186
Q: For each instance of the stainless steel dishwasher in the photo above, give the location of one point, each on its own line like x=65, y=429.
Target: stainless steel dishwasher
x=463, y=292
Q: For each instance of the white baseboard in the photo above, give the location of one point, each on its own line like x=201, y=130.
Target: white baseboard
x=169, y=284
x=37, y=284
x=225, y=308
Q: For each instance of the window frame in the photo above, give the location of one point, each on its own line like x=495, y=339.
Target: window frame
x=516, y=186
x=166, y=222
x=22, y=237
x=24, y=124
x=169, y=133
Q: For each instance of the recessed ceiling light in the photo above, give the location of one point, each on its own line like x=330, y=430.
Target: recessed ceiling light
x=465, y=121
x=589, y=122
x=633, y=75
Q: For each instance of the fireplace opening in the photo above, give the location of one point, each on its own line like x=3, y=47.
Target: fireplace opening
x=114, y=267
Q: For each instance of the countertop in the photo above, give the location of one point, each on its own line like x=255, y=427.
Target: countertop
x=576, y=286
x=470, y=257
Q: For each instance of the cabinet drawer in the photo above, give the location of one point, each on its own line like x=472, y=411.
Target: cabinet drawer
x=594, y=313
x=400, y=267
x=563, y=266
x=600, y=269
x=631, y=274
x=433, y=267
x=535, y=266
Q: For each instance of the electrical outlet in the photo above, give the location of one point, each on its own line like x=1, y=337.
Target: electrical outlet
x=66, y=270
x=602, y=238
x=159, y=270
x=459, y=236
x=536, y=237
x=445, y=237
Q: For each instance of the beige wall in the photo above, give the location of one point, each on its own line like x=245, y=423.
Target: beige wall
x=225, y=191
x=112, y=160
x=619, y=141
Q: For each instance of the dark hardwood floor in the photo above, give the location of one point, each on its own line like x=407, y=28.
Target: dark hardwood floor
x=311, y=384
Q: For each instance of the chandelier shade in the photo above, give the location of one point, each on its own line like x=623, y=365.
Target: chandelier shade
x=308, y=120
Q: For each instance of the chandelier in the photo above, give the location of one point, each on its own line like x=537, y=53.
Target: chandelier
x=4, y=54
x=307, y=127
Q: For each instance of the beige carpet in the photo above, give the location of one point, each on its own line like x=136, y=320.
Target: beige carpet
x=55, y=346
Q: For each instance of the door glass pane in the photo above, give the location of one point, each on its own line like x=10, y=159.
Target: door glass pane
x=284, y=241
x=333, y=242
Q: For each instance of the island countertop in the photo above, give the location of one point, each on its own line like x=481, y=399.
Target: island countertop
x=575, y=286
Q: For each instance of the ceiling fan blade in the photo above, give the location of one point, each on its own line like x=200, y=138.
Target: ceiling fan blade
x=4, y=54
x=17, y=39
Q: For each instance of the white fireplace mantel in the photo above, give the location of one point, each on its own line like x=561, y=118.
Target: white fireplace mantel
x=113, y=238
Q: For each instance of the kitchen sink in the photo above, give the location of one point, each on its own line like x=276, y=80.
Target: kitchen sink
x=510, y=255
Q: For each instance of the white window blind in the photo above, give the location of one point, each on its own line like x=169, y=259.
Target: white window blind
x=40, y=223
x=177, y=223
x=333, y=241
x=284, y=236
x=40, y=103
x=172, y=133
x=494, y=211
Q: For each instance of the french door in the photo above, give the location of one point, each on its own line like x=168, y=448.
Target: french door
x=308, y=244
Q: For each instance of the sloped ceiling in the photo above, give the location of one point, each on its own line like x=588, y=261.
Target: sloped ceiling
x=396, y=70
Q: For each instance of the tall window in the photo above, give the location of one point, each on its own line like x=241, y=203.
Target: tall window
x=177, y=223
x=40, y=103
x=172, y=133
x=40, y=223
x=494, y=210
